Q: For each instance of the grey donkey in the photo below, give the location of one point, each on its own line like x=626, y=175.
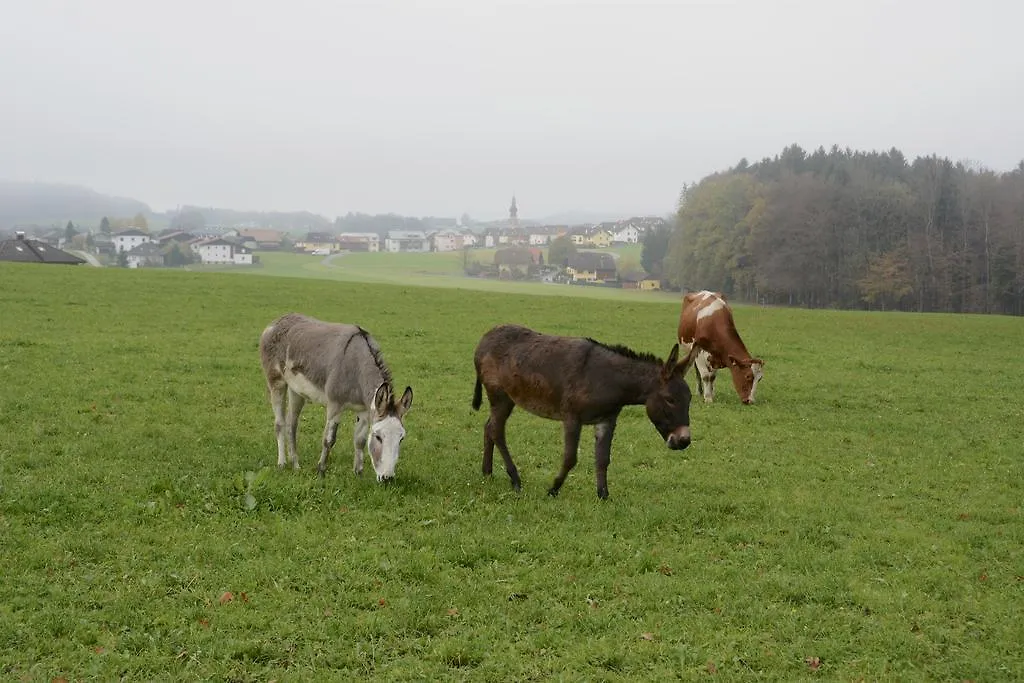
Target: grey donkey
x=338, y=366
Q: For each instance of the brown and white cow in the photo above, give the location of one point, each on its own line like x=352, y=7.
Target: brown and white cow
x=706, y=321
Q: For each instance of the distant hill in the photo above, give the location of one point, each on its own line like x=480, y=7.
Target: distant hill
x=52, y=204
x=294, y=222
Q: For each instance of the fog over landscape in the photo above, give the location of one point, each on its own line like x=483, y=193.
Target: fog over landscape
x=426, y=108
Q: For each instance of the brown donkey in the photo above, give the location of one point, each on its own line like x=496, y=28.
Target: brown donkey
x=577, y=381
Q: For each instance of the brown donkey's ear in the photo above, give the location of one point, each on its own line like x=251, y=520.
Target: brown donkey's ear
x=685, y=365
x=670, y=364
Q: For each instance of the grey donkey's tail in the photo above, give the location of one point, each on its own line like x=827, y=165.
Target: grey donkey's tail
x=478, y=394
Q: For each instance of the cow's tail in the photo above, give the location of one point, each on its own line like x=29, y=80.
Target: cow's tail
x=478, y=394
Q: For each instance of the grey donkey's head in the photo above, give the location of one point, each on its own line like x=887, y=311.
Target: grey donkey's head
x=386, y=429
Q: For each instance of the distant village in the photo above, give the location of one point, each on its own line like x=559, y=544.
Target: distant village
x=514, y=251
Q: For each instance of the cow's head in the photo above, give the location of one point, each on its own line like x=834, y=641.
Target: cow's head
x=745, y=376
x=668, y=408
x=387, y=430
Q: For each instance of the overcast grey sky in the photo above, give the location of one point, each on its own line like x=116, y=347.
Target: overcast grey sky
x=436, y=108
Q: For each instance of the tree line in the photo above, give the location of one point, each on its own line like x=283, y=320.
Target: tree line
x=850, y=229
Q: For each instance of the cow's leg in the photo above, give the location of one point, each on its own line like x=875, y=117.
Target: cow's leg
x=603, y=432
x=706, y=372
x=291, y=424
x=277, y=393
x=359, y=440
x=494, y=435
x=333, y=413
x=571, y=430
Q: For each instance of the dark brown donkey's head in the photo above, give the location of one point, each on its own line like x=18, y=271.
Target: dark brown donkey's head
x=668, y=407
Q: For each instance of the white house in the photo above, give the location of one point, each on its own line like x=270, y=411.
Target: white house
x=406, y=240
x=147, y=254
x=628, y=234
x=242, y=256
x=216, y=250
x=446, y=240
x=126, y=240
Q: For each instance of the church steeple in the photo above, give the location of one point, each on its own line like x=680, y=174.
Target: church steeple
x=513, y=211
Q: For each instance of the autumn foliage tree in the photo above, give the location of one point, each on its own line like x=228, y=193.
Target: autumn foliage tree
x=850, y=229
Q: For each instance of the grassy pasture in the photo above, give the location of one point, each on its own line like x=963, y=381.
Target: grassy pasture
x=442, y=270
x=863, y=520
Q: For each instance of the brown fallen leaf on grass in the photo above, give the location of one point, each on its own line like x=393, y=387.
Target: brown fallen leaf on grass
x=382, y=602
x=452, y=612
x=813, y=663
x=647, y=635
x=226, y=597
x=244, y=596
x=712, y=669
x=665, y=569
x=205, y=623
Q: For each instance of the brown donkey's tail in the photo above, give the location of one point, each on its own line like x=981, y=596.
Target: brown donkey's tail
x=478, y=394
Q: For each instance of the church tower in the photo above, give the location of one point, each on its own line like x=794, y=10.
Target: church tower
x=513, y=213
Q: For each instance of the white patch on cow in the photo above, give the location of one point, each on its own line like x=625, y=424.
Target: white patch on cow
x=707, y=375
x=300, y=384
x=384, y=442
x=711, y=308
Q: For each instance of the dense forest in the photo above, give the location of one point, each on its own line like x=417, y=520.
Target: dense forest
x=850, y=229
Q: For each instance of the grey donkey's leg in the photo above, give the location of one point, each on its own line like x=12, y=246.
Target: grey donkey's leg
x=277, y=393
x=291, y=424
x=362, y=433
x=333, y=412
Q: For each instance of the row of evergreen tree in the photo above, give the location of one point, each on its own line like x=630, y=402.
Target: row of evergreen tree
x=849, y=229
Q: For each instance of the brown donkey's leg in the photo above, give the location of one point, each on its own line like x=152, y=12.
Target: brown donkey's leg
x=603, y=433
x=494, y=434
x=571, y=429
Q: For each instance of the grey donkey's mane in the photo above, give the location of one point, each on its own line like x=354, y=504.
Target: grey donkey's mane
x=378, y=359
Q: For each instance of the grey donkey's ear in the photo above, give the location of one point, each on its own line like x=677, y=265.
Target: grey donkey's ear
x=382, y=400
x=403, y=406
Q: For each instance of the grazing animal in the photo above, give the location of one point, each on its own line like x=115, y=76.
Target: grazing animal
x=338, y=366
x=577, y=381
x=706, y=323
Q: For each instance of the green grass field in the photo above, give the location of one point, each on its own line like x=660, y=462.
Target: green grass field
x=862, y=521
x=441, y=270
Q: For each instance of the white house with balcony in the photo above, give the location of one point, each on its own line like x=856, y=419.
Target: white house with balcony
x=126, y=240
x=406, y=240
